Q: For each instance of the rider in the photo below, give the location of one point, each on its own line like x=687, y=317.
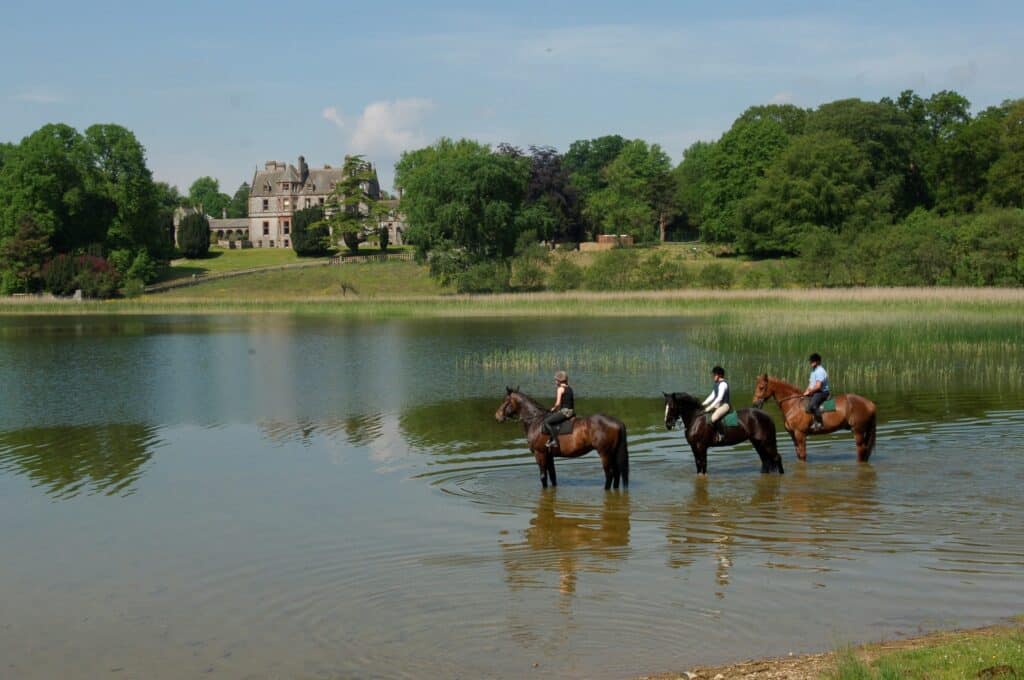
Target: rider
x=818, y=390
x=717, y=403
x=562, y=410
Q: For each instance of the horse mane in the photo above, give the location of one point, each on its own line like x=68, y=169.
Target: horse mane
x=531, y=401
x=685, y=397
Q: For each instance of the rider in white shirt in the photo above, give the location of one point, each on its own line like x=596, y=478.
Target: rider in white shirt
x=717, y=403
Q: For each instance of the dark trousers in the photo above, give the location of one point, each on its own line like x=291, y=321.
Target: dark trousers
x=814, y=403
x=552, y=421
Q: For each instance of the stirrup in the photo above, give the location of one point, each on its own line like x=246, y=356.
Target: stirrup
x=552, y=444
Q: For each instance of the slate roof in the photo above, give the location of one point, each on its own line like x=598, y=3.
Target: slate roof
x=268, y=182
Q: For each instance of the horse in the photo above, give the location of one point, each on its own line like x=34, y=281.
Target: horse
x=755, y=425
x=853, y=412
x=604, y=433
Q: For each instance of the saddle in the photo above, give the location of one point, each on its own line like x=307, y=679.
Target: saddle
x=730, y=419
x=565, y=427
x=827, y=406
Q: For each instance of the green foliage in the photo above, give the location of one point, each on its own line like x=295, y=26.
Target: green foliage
x=143, y=268
x=311, y=234
x=565, y=275
x=716, y=276
x=462, y=195
x=690, y=176
x=612, y=270
x=489, y=276
x=820, y=180
x=194, y=235
x=239, y=205
x=205, y=195
x=354, y=203
x=22, y=256
x=134, y=288
x=10, y=283
x=660, y=272
x=383, y=238
x=59, y=275
x=528, y=267
x=639, y=195
x=93, y=275
x=1006, y=176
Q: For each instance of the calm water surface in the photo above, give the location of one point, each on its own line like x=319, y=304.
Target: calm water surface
x=269, y=496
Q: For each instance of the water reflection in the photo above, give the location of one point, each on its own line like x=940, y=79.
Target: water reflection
x=67, y=461
x=568, y=539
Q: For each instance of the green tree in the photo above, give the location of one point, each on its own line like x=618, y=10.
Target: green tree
x=1006, y=176
x=50, y=177
x=205, y=194
x=194, y=235
x=239, y=205
x=820, y=180
x=311, y=235
x=354, y=203
x=585, y=162
x=734, y=165
x=690, y=177
x=462, y=197
x=124, y=179
x=23, y=254
x=639, y=198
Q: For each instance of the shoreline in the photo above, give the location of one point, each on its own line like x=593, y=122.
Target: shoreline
x=821, y=665
x=538, y=304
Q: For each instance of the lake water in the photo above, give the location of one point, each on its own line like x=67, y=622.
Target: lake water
x=271, y=496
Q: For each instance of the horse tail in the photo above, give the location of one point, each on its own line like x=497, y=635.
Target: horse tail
x=622, y=457
x=869, y=435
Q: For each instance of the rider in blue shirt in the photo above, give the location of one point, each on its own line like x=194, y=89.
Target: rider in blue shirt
x=818, y=390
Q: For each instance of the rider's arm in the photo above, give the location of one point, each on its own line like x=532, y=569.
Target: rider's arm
x=558, y=398
x=816, y=387
x=715, y=398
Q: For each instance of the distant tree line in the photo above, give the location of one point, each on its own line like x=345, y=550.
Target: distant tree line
x=80, y=210
x=855, y=188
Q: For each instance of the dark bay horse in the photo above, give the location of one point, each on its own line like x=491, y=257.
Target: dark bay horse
x=853, y=412
x=604, y=433
x=755, y=425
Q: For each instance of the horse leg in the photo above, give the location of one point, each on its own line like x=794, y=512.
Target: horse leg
x=551, y=468
x=606, y=463
x=542, y=464
x=700, y=457
x=759, y=447
x=800, y=442
x=862, y=444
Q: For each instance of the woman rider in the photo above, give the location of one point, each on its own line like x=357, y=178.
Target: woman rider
x=563, y=410
x=717, y=403
x=818, y=390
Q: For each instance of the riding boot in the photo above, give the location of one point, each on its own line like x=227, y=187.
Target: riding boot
x=817, y=425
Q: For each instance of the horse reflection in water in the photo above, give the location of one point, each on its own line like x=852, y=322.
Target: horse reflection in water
x=569, y=539
x=806, y=523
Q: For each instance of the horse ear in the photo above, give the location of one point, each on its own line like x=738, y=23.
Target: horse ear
x=516, y=389
x=665, y=394
x=508, y=390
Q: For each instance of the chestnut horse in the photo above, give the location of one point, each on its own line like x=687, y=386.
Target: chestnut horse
x=604, y=433
x=755, y=425
x=853, y=412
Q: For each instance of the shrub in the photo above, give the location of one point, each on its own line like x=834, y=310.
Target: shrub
x=612, y=270
x=752, y=278
x=311, y=235
x=484, y=277
x=527, y=274
x=384, y=238
x=96, y=277
x=121, y=260
x=134, y=288
x=194, y=236
x=659, y=272
x=10, y=283
x=716, y=276
x=59, y=275
x=143, y=268
x=565, y=275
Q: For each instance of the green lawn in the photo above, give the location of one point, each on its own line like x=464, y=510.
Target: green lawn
x=374, y=279
x=221, y=260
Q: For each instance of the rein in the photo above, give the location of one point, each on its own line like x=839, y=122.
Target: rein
x=793, y=396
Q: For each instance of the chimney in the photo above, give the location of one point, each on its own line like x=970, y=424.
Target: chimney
x=270, y=165
x=303, y=170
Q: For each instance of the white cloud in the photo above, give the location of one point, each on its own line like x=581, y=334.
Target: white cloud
x=38, y=97
x=385, y=127
x=782, y=98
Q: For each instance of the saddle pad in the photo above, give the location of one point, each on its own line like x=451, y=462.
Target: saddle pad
x=730, y=419
x=828, y=405
x=565, y=427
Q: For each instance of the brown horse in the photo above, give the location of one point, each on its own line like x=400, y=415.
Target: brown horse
x=853, y=412
x=754, y=424
x=604, y=433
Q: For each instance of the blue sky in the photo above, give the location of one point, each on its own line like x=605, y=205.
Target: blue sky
x=216, y=88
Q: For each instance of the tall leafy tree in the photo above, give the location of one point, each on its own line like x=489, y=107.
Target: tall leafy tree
x=690, y=177
x=585, y=162
x=311, y=235
x=50, y=176
x=205, y=193
x=194, y=235
x=1006, y=176
x=239, y=206
x=461, y=195
x=639, y=198
x=23, y=254
x=552, y=208
x=354, y=203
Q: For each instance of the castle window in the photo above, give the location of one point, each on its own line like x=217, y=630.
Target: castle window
x=287, y=203
x=266, y=228
x=321, y=200
x=271, y=244
x=286, y=225
x=266, y=204
x=307, y=202
x=286, y=243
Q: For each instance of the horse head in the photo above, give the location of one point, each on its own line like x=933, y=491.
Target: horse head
x=510, y=406
x=678, y=406
x=762, y=390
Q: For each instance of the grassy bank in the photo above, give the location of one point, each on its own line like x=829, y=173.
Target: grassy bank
x=221, y=260
x=770, y=309
x=991, y=652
